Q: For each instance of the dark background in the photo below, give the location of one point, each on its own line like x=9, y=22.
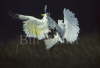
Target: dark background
x=87, y=12
x=85, y=53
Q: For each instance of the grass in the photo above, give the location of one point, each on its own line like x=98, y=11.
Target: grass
x=84, y=54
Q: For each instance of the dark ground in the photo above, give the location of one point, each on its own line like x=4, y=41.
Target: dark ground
x=84, y=54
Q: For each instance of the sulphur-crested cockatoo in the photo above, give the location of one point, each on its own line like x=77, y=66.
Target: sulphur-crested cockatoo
x=67, y=29
x=34, y=27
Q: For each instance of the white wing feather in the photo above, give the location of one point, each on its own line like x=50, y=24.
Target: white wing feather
x=39, y=28
x=33, y=27
x=52, y=41
x=68, y=30
x=71, y=26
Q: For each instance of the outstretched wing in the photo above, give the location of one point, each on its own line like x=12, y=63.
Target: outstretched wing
x=33, y=27
x=71, y=26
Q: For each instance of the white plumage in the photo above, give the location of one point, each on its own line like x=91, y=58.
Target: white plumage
x=52, y=41
x=71, y=26
x=36, y=28
x=66, y=29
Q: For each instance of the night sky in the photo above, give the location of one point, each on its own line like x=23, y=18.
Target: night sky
x=87, y=12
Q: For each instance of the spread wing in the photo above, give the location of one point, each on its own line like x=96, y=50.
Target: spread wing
x=71, y=26
x=33, y=27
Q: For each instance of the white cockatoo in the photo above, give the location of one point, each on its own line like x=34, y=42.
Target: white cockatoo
x=66, y=29
x=34, y=27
